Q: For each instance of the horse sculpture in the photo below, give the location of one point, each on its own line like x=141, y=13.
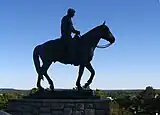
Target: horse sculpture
x=54, y=50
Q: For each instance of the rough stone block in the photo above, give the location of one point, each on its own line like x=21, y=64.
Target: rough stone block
x=45, y=104
x=36, y=104
x=44, y=109
x=57, y=106
x=67, y=111
x=88, y=106
x=101, y=105
x=89, y=112
x=22, y=108
x=99, y=112
x=27, y=113
x=45, y=114
x=77, y=112
x=57, y=113
x=70, y=105
x=80, y=106
x=15, y=113
x=35, y=111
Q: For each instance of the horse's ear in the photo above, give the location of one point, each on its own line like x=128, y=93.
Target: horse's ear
x=104, y=23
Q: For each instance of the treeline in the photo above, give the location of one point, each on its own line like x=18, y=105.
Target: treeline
x=146, y=101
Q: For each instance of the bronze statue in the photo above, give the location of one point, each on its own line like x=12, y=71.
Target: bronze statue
x=54, y=50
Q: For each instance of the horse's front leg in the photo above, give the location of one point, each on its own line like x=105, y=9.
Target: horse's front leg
x=90, y=68
x=80, y=73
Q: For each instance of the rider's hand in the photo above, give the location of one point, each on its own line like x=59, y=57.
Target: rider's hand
x=78, y=32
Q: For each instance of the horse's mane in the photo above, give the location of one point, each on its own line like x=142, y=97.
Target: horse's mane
x=90, y=31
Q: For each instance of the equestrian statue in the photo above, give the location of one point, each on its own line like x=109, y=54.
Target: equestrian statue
x=77, y=51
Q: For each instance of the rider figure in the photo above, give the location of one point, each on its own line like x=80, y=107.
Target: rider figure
x=67, y=29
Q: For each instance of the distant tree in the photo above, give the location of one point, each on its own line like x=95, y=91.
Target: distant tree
x=146, y=100
x=148, y=93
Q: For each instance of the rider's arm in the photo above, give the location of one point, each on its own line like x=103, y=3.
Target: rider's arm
x=72, y=28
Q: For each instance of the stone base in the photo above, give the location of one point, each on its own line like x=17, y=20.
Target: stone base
x=64, y=102
x=59, y=107
x=63, y=94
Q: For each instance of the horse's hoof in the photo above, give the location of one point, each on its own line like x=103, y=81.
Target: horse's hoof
x=40, y=89
x=80, y=88
x=86, y=87
x=52, y=88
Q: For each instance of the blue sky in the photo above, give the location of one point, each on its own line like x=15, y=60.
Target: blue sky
x=132, y=62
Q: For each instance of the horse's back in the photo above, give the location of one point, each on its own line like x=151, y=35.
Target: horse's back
x=50, y=45
x=51, y=42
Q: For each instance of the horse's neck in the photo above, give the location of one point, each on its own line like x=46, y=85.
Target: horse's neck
x=91, y=38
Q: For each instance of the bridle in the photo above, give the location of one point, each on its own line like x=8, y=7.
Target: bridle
x=102, y=46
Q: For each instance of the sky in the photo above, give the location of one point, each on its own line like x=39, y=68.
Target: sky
x=132, y=62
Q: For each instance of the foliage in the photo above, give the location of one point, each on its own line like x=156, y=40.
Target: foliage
x=100, y=93
x=143, y=101
x=33, y=90
x=5, y=97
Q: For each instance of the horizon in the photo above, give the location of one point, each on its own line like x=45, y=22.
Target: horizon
x=70, y=89
x=132, y=62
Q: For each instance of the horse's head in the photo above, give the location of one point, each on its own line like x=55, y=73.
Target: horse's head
x=106, y=33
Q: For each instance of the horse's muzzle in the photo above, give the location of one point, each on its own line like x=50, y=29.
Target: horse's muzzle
x=112, y=40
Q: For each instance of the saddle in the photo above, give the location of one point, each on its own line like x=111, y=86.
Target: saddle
x=71, y=51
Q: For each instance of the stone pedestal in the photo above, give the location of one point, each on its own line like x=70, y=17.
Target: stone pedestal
x=58, y=107
x=45, y=104
x=63, y=94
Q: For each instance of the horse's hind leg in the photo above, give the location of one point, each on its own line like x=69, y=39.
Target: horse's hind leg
x=40, y=76
x=45, y=67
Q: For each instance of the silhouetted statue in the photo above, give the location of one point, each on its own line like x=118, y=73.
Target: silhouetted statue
x=67, y=29
x=54, y=50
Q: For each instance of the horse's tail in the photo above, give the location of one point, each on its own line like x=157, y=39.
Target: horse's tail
x=36, y=59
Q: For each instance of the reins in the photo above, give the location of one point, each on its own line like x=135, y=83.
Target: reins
x=103, y=46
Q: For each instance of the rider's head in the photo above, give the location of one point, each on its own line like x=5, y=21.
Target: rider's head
x=71, y=12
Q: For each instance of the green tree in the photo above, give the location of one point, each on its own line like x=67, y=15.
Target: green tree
x=100, y=93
